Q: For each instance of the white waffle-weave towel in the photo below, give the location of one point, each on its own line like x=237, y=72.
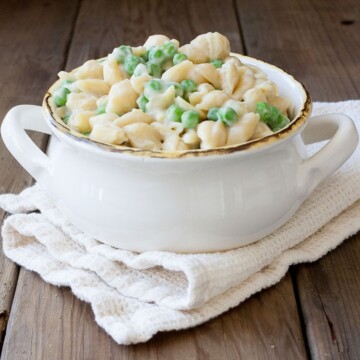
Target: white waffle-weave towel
x=134, y=296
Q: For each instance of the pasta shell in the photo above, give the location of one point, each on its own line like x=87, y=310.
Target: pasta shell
x=179, y=72
x=261, y=131
x=155, y=40
x=143, y=136
x=282, y=103
x=81, y=101
x=238, y=106
x=160, y=102
x=91, y=69
x=102, y=119
x=138, y=82
x=196, y=97
x=207, y=47
x=252, y=96
x=173, y=142
x=122, y=98
x=215, y=98
x=191, y=138
x=236, y=78
x=212, y=134
x=113, y=72
x=94, y=87
x=79, y=120
x=108, y=133
x=243, y=130
x=134, y=116
x=205, y=73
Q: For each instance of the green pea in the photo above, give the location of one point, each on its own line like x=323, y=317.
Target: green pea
x=60, y=96
x=169, y=49
x=188, y=85
x=174, y=113
x=178, y=89
x=282, y=122
x=178, y=58
x=267, y=112
x=262, y=107
x=217, y=63
x=155, y=70
x=227, y=115
x=65, y=119
x=142, y=102
x=157, y=56
x=152, y=87
x=122, y=52
x=190, y=119
x=86, y=133
x=131, y=62
x=271, y=116
x=101, y=109
x=213, y=114
x=155, y=85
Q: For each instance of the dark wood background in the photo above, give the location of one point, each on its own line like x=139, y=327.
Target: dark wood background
x=314, y=311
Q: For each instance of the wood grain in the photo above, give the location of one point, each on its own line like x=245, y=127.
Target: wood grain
x=33, y=38
x=265, y=327
x=102, y=26
x=319, y=43
x=308, y=39
x=56, y=325
x=329, y=291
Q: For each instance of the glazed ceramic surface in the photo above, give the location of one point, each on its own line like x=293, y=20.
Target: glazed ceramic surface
x=197, y=201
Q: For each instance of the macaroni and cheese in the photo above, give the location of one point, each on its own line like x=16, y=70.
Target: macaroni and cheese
x=161, y=96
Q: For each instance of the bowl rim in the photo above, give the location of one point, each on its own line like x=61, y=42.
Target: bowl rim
x=297, y=123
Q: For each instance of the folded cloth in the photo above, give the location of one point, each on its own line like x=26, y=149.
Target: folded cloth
x=134, y=296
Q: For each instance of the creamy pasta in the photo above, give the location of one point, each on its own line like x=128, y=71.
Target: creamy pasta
x=160, y=96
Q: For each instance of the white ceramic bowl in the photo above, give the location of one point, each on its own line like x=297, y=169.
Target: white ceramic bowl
x=195, y=201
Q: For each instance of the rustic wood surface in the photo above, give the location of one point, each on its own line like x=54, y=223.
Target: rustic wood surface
x=329, y=292
x=315, y=312
x=319, y=43
x=34, y=38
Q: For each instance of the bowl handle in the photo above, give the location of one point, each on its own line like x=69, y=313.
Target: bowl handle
x=20, y=145
x=343, y=138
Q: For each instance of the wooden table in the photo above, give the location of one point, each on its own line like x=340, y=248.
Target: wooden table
x=314, y=312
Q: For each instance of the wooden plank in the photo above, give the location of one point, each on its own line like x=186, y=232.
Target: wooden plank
x=330, y=291
x=263, y=328
x=309, y=40
x=318, y=42
x=33, y=39
x=105, y=25
x=57, y=325
x=8, y=279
